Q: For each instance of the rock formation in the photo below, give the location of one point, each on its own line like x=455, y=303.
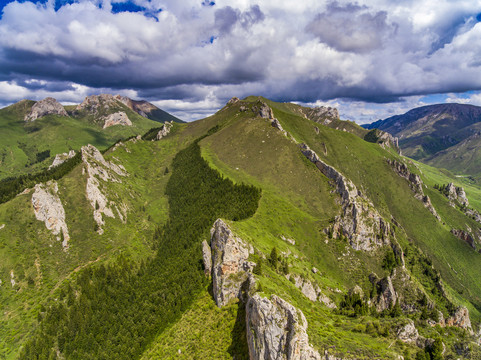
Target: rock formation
x=277, y=330
x=230, y=266
x=164, y=131
x=61, y=158
x=415, y=183
x=233, y=100
x=207, y=258
x=408, y=333
x=99, y=169
x=312, y=292
x=465, y=236
x=386, y=295
x=460, y=319
x=118, y=118
x=321, y=114
x=141, y=107
x=456, y=193
x=360, y=222
x=44, y=107
x=49, y=209
x=94, y=103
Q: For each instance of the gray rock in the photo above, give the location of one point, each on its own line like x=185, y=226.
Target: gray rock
x=460, y=319
x=275, y=123
x=49, y=209
x=94, y=103
x=98, y=169
x=165, y=130
x=387, y=296
x=44, y=107
x=408, y=333
x=360, y=222
x=118, y=118
x=233, y=100
x=61, y=158
x=266, y=112
x=465, y=236
x=321, y=114
x=230, y=266
x=277, y=330
x=207, y=258
x=415, y=183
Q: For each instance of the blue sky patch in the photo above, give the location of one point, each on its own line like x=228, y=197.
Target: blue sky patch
x=126, y=7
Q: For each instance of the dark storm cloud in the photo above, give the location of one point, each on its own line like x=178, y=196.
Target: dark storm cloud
x=351, y=27
x=227, y=17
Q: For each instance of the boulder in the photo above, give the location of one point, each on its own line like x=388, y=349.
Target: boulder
x=277, y=330
x=118, y=118
x=44, y=107
x=266, y=112
x=230, y=266
x=408, y=333
x=49, y=209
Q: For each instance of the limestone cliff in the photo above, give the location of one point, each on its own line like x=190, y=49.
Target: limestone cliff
x=360, y=222
x=230, y=266
x=49, y=209
x=164, y=131
x=460, y=319
x=118, y=118
x=277, y=330
x=45, y=107
x=99, y=171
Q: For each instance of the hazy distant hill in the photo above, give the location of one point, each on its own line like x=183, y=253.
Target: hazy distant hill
x=445, y=135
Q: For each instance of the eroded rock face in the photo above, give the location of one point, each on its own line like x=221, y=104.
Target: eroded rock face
x=408, y=333
x=312, y=292
x=455, y=193
x=164, y=131
x=98, y=169
x=118, y=118
x=230, y=266
x=387, y=295
x=465, y=236
x=61, y=158
x=233, y=100
x=415, y=183
x=141, y=107
x=94, y=103
x=44, y=107
x=277, y=330
x=266, y=112
x=207, y=258
x=460, y=319
x=360, y=222
x=321, y=114
x=49, y=209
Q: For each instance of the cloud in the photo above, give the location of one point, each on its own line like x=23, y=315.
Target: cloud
x=198, y=53
x=352, y=27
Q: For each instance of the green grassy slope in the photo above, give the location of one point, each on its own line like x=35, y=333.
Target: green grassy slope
x=23, y=143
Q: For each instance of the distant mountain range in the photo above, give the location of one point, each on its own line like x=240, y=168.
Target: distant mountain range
x=443, y=135
x=34, y=132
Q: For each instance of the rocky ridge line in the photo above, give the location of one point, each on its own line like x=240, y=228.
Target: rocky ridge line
x=165, y=130
x=45, y=107
x=49, y=209
x=360, y=221
x=118, y=118
x=98, y=168
x=61, y=158
x=415, y=183
x=321, y=114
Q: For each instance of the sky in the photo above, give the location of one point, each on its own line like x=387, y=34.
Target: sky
x=371, y=59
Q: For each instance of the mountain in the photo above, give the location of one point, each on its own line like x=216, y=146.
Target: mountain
x=258, y=232
x=33, y=133
x=444, y=135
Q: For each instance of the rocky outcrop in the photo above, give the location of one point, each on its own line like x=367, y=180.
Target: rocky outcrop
x=360, y=222
x=415, y=183
x=61, y=158
x=95, y=103
x=408, y=333
x=100, y=171
x=141, y=107
x=386, y=295
x=49, y=209
x=456, y=193
x=118, y=118
x=233, y=100
x=465, y=236
x=266, y=112
x=321, y=114
x=473, y=214
x=207, y=258
x=47, y=106
x=165, y=130
x=460, y=319
x=383, y=139
x=230, y=266
x=277, y=330
x=312, y=292
x=275, y=123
